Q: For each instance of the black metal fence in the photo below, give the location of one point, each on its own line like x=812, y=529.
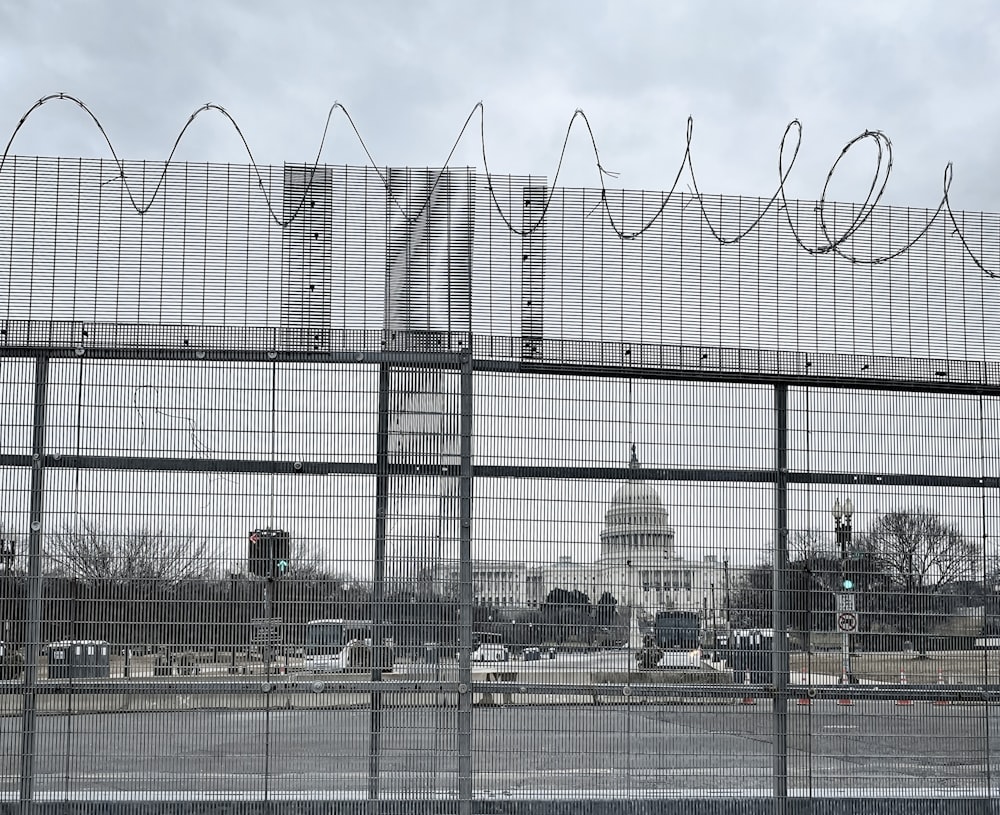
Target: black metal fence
x=499, y=438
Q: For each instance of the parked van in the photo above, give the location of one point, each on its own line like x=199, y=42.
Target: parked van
x=490, y=649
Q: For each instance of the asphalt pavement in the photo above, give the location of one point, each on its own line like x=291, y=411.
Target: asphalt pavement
x=599, y=750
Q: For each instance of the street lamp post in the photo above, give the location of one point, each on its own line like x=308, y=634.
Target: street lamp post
x=842, y=513
x=725, y=580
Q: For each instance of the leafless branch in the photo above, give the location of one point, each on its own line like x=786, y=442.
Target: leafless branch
x=93, y=553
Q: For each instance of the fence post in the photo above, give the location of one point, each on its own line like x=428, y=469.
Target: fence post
x=378, y=574
x=779, y=659
x=33, y=613
x=465, y=593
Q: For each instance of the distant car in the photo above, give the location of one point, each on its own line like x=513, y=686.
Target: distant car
x=490, y=652
x=532, y=654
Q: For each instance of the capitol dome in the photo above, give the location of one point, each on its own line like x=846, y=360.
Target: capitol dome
x=636, y=520
x=636, y=493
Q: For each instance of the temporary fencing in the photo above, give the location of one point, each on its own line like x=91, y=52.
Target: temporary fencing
x=426, y=494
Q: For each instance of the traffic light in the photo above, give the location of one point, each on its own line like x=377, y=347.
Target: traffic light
x=280, y=552
x=269, y=553
x=257, y=560
x=848, y=584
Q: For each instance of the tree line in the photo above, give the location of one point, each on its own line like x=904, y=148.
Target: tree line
x=148, y=589
x=908, y=574
x=197, y=613
x=566, y=617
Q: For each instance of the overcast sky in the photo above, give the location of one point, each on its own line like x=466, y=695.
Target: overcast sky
x=411, y=72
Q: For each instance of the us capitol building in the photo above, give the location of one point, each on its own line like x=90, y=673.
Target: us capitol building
x=637, y=565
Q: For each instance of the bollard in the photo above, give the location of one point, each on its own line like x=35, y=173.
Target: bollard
x=902, y=681
x=804, y=680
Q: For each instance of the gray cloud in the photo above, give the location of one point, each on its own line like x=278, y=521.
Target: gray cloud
x=410, y=73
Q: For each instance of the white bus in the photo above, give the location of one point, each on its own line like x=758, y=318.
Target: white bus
x=344, y=645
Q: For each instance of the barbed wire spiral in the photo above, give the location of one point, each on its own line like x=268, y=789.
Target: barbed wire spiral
x=791, y=142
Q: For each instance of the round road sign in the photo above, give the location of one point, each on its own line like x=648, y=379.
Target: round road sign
x=847, y=622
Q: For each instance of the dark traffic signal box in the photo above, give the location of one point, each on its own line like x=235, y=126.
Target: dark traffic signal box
x=269, y=553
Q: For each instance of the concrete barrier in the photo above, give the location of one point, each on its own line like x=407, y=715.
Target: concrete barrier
x=665, y=680
x=494, y=675
x=517, y=685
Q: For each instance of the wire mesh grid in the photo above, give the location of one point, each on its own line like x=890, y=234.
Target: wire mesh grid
x=435, y=494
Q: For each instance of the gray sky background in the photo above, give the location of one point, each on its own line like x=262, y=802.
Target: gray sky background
x=410, y=73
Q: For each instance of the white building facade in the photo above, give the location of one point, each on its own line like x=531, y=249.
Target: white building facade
x=637, y=564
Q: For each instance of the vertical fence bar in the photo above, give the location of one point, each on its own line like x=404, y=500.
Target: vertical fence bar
x=465, y=594
x=34, y=610
x=378, y=575
x=780, y=662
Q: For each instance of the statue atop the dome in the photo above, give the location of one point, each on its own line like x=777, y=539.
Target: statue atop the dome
x=633, y=463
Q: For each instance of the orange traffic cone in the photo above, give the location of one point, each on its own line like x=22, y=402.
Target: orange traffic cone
x=902, y=681
x=747, y=698
x=941, y=700
x=804, y=697
x=844, y=681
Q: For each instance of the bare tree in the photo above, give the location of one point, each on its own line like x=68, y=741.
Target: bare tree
x=919, y=552
x=809, y=544
x=92, y=553
x=916, y=558
x=311, y=562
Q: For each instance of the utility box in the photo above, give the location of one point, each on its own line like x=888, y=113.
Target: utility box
x=750, y=655
x=79, y=659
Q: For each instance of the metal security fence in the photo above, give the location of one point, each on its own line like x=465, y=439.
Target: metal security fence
x=357, y=489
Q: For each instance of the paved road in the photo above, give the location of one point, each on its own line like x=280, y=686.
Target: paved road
x=517, y=750
x=611, y=660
